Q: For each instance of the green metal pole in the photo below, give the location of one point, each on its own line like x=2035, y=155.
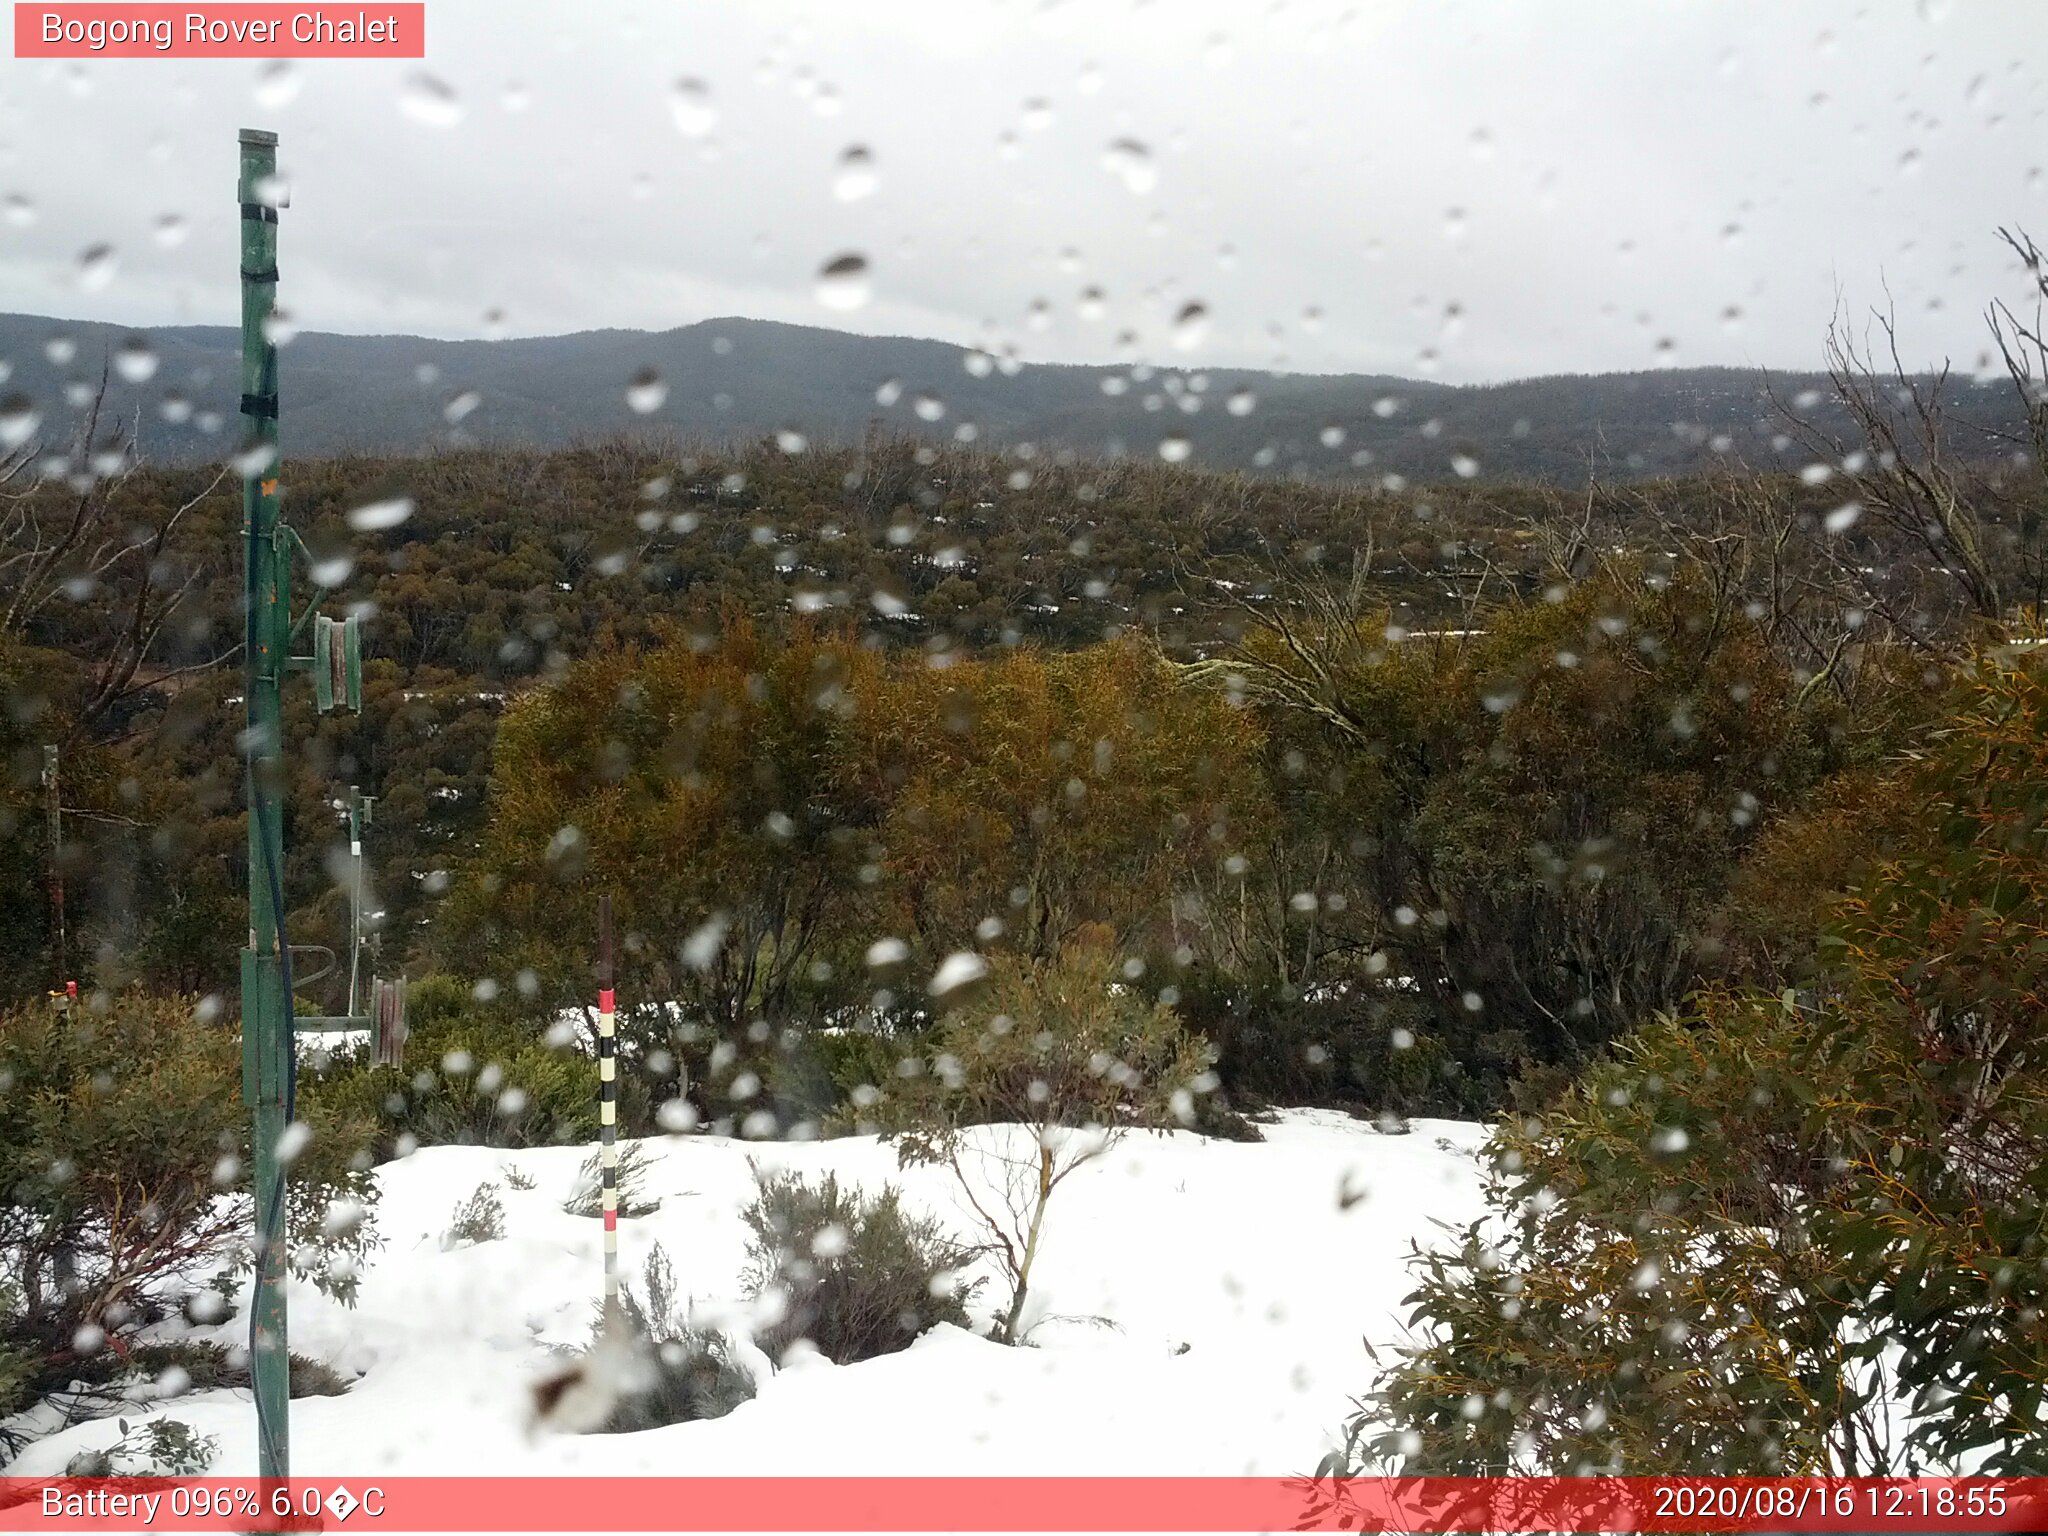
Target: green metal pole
x=266, y=1021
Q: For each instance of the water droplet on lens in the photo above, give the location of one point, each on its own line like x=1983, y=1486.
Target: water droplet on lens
x=855, y=178
x=375, y=516
x=460, y=406
x=171, y=231
x=1037, y=114
x=18, y=421
x=1131, y=163
x=1242, y=402
x=134, y=360
x=254, y=460
x=431, y=101
x=279, y=329
x=689, y=103
x=277, y=84
x=1844, y=517
x=1331, y=436
x=1464, y=465
x=1175, y=448
x=647, y=391
x=97, y=265
x=928, y=407
x=790, y=441
x=1191, y=325
x=20, y=211
x=888, y=392
x=843, y=282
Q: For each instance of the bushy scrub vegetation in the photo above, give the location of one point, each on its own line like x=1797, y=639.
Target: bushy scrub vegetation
x=475, y=1074
x=854, y=1275
x=629, y=1179
x=1398, y=827
x=124, y=1186
x=801, y=836
x=648, y=1366
x=511, y=566
x=1531, y=828
x=1789, y=1232
x=1395, y=871
x=1033, y=1076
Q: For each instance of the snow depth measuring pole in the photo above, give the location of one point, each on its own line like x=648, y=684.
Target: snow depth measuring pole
x=608, y=1107
x=269, y=1051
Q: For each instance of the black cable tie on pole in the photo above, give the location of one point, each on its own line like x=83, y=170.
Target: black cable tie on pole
x=260, y=211
x=259, y=405
x=267, y=275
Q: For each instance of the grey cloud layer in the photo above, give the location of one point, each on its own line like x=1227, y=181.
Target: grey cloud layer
x=1475, y=190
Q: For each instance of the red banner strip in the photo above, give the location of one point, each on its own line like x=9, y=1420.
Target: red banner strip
x=1147, y=1504
x=380, y=29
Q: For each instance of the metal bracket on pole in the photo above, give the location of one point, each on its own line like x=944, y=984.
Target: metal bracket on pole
x=337, y=664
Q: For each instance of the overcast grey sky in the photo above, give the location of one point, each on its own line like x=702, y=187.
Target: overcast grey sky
x=1426, y=187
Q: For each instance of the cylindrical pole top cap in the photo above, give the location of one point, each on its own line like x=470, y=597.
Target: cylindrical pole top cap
x=258, y=136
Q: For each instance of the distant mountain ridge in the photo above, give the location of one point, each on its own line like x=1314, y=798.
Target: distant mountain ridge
x=729, y=379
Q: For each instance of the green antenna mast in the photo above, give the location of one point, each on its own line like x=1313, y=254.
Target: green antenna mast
x=269, y=1054
x=268, y=1065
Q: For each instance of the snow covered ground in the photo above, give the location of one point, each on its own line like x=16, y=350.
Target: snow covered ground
x=1242, y=1281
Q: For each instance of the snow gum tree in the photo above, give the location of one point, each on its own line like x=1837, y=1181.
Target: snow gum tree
x=1030, y=1079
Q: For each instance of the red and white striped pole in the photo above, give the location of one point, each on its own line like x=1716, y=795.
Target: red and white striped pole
x=608, y=1106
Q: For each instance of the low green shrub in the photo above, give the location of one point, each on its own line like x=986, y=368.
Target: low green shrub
x=475, y=1074
x=1368, y=1047
x=205, y=1365
x=857, y=1275
x=478, y=1219
x=124, y=1156
x=586, y=1196
x=160, y=1448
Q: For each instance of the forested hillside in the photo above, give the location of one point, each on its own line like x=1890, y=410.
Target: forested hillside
x=730, y=380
